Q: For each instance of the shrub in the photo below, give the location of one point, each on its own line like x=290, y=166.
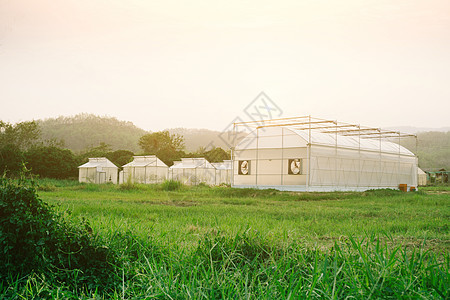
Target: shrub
x=51, y=162
x=34, y=238
x=171, y=185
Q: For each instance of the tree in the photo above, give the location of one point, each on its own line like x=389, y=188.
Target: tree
x=21, y=135
x=101, y=150
x=10, y=159
x=217, y=154
x=51, y=162
x=14, y=138
x=120, y=157
x=168, y=147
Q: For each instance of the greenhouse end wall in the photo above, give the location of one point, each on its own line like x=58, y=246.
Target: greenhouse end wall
x=145, y=175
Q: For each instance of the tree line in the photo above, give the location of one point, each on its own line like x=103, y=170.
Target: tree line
x=22, y=146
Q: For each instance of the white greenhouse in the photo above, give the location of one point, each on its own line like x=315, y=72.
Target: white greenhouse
x=193, y=171
x=98, y=170
x=144, y=169
x=421, y=177
x=223, y=172
x=310, y=154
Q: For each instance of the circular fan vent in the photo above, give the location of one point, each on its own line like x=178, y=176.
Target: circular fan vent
x=295, y=166
x=244, y=167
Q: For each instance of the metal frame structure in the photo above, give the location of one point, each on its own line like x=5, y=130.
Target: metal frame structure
x=312, y=125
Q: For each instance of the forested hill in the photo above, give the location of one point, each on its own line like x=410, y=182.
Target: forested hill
x=85, y=130
x=432, y=148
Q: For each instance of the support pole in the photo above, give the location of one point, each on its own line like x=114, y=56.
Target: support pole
x=308, y=182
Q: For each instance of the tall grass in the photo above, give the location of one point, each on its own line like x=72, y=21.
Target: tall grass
x=251, y=266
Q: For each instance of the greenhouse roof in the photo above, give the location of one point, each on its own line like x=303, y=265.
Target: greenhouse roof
x=192, y=163
x=98, y=162
x=332, y=133
x=225, y=165
x=146, y=161
x=329, y=139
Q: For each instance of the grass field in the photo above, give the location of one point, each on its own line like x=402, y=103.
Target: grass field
x=203, y=242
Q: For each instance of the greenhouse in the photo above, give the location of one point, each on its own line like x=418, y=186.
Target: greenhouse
x=223, y=172
x=98, y=170
x=421, y=177
x=311, y=154
x=193, y=171
x=144, y=169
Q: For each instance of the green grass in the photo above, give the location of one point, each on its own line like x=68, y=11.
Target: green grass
x=177, y=242
x=184, y=215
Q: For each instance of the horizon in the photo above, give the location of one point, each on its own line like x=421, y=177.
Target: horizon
x=439, y=129
x=199, y=65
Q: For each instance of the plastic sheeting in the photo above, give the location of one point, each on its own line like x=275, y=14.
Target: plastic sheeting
x=98, y=170
x=328, y=161
x=145, y=169
x=193, y=171
x=223, y=172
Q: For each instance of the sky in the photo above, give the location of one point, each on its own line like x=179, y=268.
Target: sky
x=199, y=64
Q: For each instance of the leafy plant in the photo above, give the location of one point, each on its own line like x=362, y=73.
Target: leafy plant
x=171, y=185
x=34, y=238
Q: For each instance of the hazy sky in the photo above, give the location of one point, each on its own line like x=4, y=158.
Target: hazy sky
x=164, y=64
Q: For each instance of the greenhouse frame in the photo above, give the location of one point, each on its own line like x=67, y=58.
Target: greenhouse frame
x=145, y=169
x=98, y=170
x=312, y=154
x=223, y=172
x=193, y=171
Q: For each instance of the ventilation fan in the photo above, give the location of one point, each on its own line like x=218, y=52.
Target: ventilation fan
x=244, y=167
x=295, y=166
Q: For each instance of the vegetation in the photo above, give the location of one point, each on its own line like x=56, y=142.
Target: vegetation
x=85, y=131
x=213, y=242
x=433, y=149
x=14, y=139
x=52, y=162
x=167, y=147
x=34, y=238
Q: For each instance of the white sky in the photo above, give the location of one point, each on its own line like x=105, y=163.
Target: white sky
x=165, y=64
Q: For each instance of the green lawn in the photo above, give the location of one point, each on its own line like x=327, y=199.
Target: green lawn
x=181, y=217
x=223, y=243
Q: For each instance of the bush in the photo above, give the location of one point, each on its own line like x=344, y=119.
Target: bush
x=52, y=162
x=11, y=159
x=171, y=185
x=34, y=238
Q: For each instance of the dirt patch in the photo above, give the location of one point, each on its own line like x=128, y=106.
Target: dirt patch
x=181, y=203
x=438, y=192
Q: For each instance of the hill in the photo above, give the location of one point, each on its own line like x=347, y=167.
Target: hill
x=86, y=130
x=432, y=148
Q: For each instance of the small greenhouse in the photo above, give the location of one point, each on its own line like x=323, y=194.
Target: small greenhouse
x=421, y=177
x=193, y=171
x=223, y=172
x=144, y=169
x=98, y=170
x=311, y=154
